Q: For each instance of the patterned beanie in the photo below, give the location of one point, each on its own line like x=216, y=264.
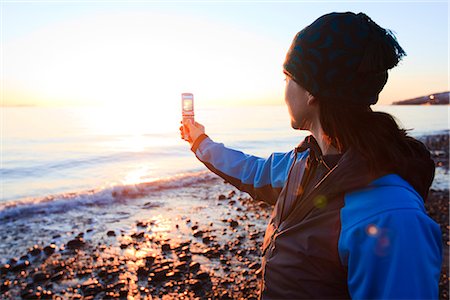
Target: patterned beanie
x=344, y=58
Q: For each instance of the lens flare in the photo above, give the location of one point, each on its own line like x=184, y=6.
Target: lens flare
x=320, y=201
x=372, y=230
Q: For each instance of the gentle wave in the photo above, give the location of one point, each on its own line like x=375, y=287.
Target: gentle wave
x=54, y=204
x=39, y=168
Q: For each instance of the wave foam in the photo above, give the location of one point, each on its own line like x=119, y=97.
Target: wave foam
x=117, y=194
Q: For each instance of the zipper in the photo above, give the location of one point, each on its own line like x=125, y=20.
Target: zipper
x=287, y=185
x=275, y=231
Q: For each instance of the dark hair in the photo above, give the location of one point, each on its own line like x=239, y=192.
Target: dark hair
x=386, y=146
x=375, y=135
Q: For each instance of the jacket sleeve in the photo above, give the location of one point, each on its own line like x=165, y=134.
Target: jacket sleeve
x=395, y=254
x=262, y=178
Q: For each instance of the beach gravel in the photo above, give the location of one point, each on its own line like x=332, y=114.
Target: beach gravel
x=188, y=248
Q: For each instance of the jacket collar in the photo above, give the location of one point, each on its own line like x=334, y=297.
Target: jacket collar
x=351, y=173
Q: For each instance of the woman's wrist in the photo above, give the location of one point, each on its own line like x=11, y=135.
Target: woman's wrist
x=196, y=143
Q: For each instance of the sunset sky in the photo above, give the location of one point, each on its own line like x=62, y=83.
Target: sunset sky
x=144, y=53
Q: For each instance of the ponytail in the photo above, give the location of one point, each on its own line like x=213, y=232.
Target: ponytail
x=375, y=135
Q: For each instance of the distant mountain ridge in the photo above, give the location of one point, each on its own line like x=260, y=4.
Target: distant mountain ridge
x=432, y=99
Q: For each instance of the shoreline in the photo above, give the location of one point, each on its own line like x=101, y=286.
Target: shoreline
x=201, y=241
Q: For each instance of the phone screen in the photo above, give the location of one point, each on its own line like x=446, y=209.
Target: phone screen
x=188, y=105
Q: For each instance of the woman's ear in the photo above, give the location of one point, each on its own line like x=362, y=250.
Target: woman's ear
x=311, y=99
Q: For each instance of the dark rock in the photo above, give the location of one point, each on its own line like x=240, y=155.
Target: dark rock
x=5, y=269
x=30, y=294
x=165, y=247
x=5, y=286
x=35, y=251
x=149, y=260
x=141, y=223
x=103, y=273
x=182, y=266
x=233, y=223
x=123, y=246
x=123, y=293
x=24, y=257
x=198, y=233
x=111, y=233
x=221, y=197
x=57, y=277
x=173, y=275
x=139, y=235
x=225, y=295
x=60, y=267
x=207, y=239
x=223, y=259
x=40, y=277
x=142, y=272
x=91, y=288
x=253, y=236
x=20, y=266
x=119, y=285
x=158, y=275
x=194, y=227
x=202, y=276
x=194, y=266
x=184, y=257
x=50, y=249
x=76, y=243
x=231, y=194
x=211, y=253
x=166, y=263
x=195, y=284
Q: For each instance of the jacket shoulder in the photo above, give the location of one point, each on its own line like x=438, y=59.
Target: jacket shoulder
x=387, y=193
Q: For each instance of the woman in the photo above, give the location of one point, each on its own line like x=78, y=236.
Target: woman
x=349, y=219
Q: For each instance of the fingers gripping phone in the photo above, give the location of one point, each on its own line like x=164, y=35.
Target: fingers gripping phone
x=187, y=110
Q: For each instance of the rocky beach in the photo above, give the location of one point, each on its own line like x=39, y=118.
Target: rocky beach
x=201, y=241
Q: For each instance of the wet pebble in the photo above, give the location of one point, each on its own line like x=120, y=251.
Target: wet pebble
x=5, y=269
x=5, y=286
x=20, y=266
x=165, y=247
x=138, y=235
x=194, y=266
x=198, y=233
x=76, y=243
x=195, y=284
x=35, y=251
x=40, y=277
x=58, y=276
x=233, y=223
x=202, y=276
x=50, y=249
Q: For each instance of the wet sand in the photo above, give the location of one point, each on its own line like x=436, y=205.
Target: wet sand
x=202, y=241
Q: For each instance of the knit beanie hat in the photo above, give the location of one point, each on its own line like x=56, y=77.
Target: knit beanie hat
x=343, y=58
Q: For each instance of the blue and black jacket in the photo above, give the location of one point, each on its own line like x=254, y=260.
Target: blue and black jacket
x=336, y=231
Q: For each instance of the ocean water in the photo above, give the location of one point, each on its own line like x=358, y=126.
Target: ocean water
x=55, y=158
